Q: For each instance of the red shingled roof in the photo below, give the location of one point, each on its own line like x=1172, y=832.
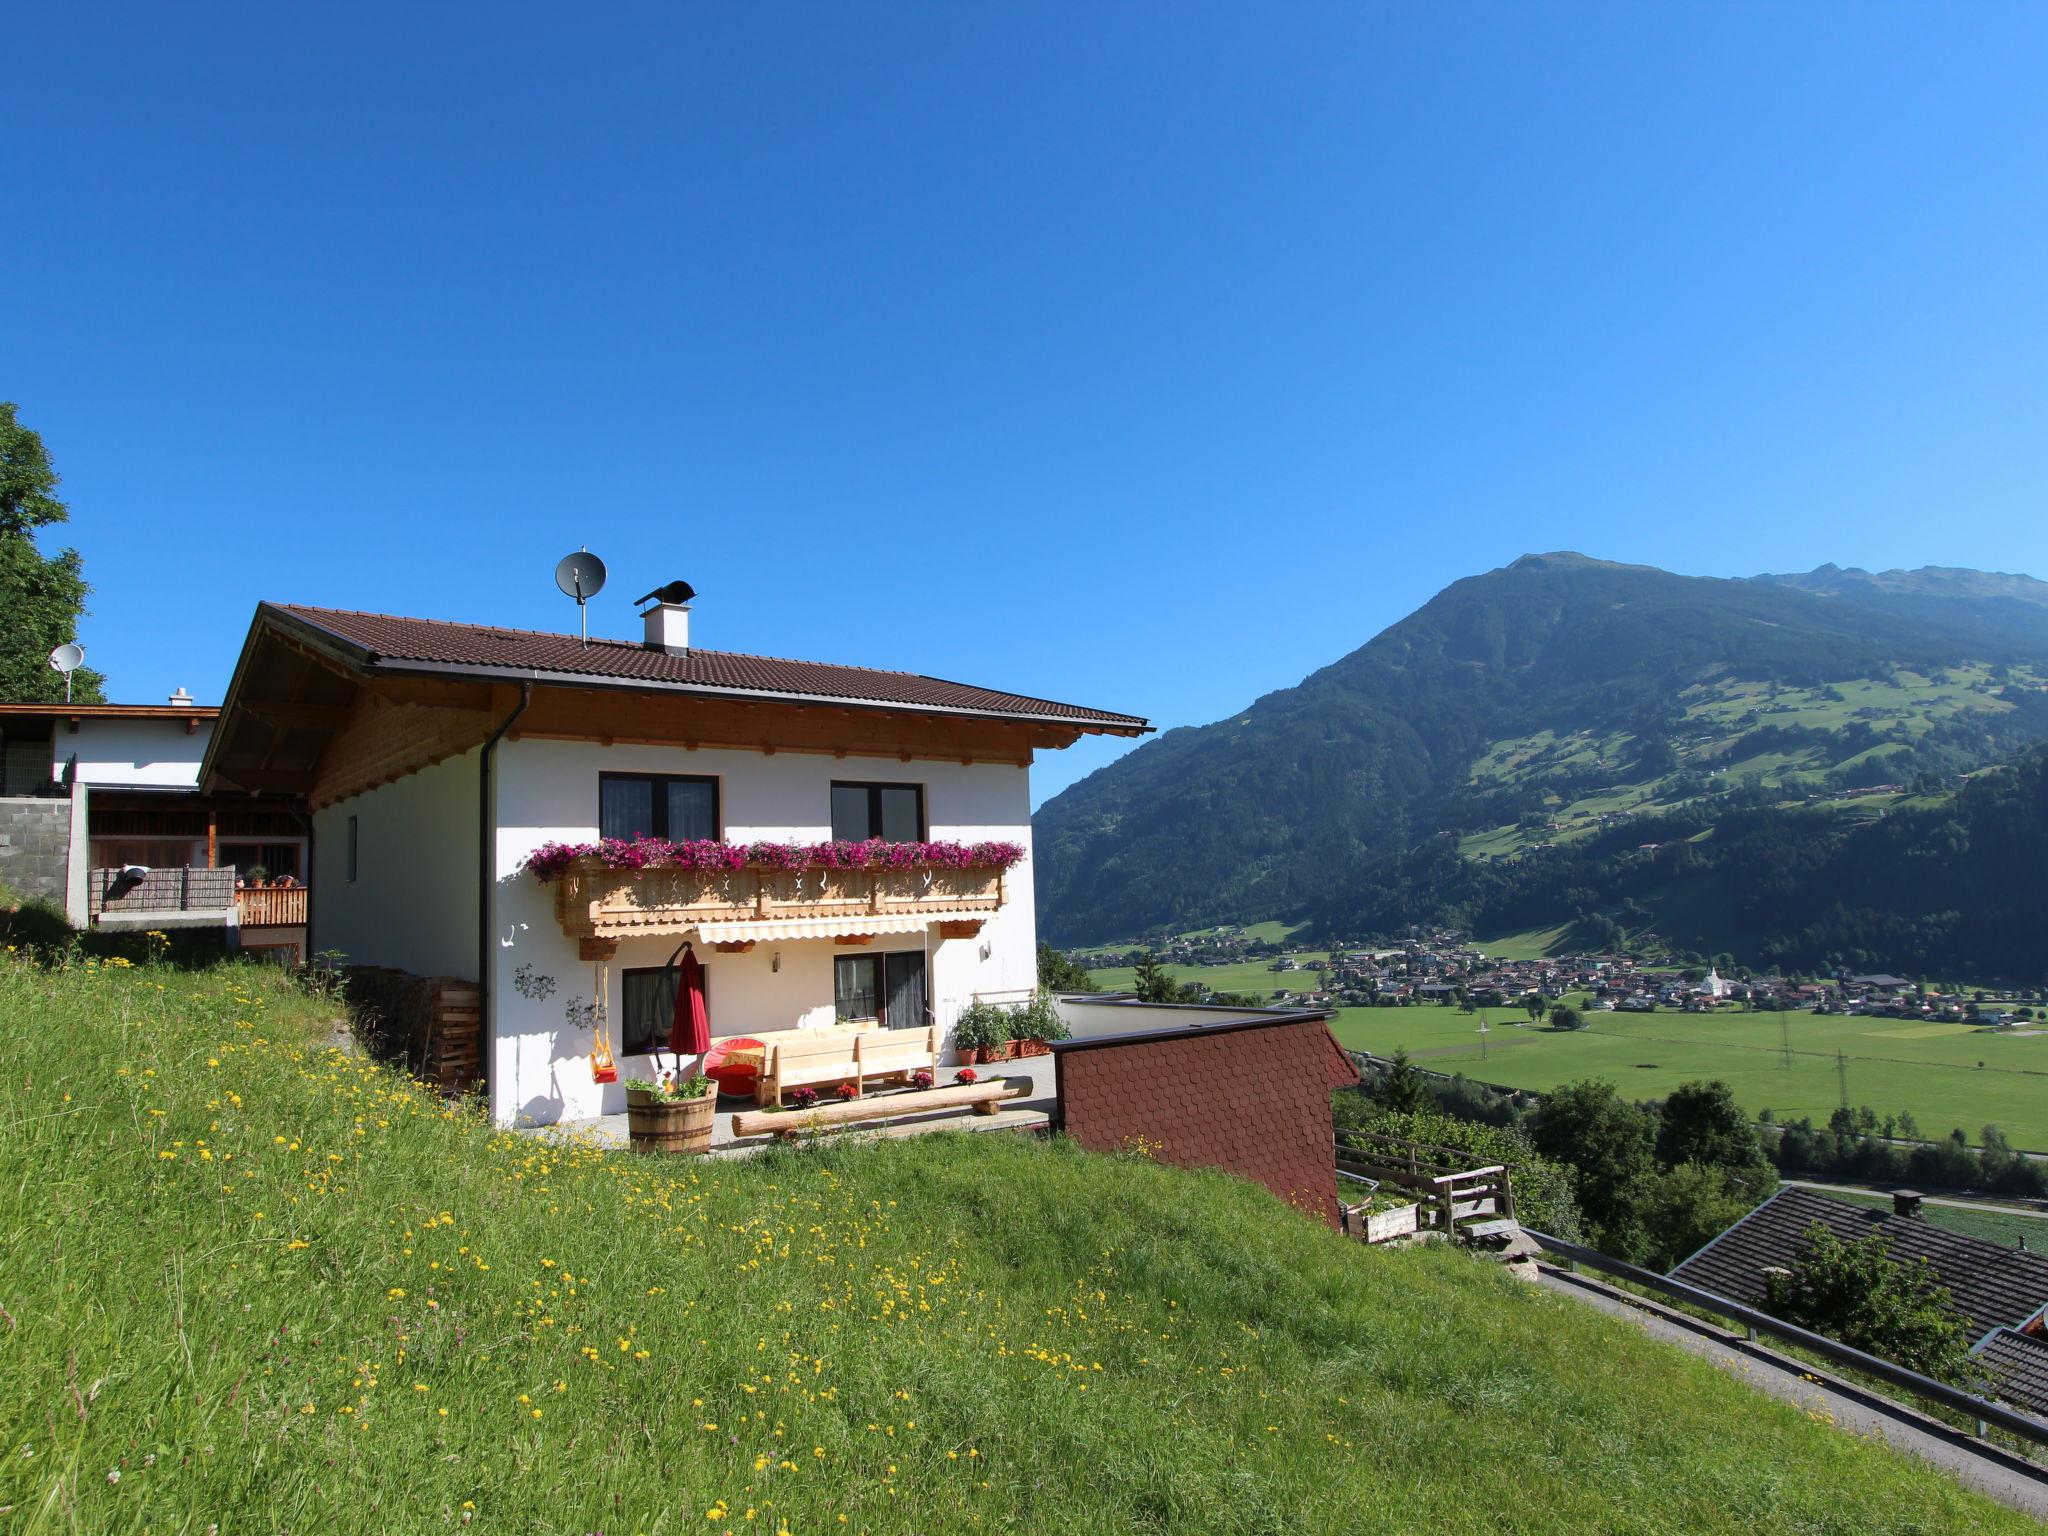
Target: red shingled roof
x=381, y=638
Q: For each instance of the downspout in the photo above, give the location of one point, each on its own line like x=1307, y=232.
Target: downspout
x=486, y=876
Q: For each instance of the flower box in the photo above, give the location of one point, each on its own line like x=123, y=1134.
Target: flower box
x=1384, y=1224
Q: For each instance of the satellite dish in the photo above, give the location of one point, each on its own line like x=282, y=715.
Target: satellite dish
x=67, y=658
x=673, y=592
x=580, y=576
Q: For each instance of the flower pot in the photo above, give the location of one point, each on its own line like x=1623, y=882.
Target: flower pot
x=1012, y=1049
x=669, y=1125
x=982, y=1055
x=1028, y=1047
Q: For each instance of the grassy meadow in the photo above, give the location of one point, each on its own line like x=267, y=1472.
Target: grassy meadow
x=255, y=1283
x=1931, y=1069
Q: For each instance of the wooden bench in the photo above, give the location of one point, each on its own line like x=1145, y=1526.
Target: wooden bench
x=811, y=1058
x=982, y=1098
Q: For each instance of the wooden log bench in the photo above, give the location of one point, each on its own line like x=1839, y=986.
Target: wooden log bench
x=788, y=1124
x=814, y=1058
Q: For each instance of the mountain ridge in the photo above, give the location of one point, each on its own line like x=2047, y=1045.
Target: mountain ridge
x=1402, y=738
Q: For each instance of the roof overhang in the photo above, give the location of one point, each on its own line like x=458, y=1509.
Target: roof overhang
x=295, y=684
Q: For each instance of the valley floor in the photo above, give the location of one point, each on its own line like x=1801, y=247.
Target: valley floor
x=1947, y=1075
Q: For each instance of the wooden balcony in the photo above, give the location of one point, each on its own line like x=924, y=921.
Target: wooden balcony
x=599, y=906
x=269, y=906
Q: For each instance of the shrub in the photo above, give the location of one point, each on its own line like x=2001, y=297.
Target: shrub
x=982, y=1026
x=1038, y=1019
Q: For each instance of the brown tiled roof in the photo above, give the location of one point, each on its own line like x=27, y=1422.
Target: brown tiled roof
x=377, y=638
x=1251, y=1097
x=1990, y=1283
x=2018, y=1365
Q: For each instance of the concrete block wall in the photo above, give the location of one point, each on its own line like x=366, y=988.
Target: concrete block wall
x=35, y=847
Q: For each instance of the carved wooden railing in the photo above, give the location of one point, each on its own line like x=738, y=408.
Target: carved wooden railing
x=272, y=906
x=593, y=902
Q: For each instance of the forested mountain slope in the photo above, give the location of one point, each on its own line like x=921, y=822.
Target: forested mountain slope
x=1537, y=705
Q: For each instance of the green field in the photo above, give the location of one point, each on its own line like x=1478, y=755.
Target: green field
x=1253, y=976
x=1890, y=1064
x=257, y=1284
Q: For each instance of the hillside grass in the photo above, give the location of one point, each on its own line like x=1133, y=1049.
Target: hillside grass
x=253, y=1283
x=1891, y=1064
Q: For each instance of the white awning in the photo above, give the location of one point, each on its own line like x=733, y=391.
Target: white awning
x=829, y=927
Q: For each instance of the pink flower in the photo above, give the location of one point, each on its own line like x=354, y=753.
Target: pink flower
x=552, y=859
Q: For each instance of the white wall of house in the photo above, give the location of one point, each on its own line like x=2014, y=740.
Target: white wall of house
x=412, y=904
x=150, y=751
x=548, y=791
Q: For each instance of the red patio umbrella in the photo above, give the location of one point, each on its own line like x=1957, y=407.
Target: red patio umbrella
x=690, y=1032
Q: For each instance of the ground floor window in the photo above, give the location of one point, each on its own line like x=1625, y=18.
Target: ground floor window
x=647, y=1008
x=885, y=987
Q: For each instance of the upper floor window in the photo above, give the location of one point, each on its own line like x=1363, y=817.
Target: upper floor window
x=891, y=811
x=669, y=805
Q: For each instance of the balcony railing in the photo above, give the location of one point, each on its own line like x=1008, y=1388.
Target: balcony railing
x=271, y=906
x=120, y=892
x=593, y=902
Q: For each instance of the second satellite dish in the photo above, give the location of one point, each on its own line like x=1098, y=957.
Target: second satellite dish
x=67, y=658
x=580, y=576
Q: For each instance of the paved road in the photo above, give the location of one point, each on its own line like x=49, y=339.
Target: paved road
x=1993, y=1472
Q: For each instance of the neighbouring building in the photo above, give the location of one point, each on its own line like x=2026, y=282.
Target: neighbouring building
x=101, y=815
x=2000, y=1293
x=436, y=759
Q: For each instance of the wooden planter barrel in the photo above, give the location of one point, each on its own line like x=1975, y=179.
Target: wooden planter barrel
x=669, y=1125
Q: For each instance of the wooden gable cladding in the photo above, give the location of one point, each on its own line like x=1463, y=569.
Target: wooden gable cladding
x=398, y=726
x=609, y=715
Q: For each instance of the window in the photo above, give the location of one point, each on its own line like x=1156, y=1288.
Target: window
x=656, y=805
x=647, y=1009
x=892, y=811
x=351, y=850
x=889, y=988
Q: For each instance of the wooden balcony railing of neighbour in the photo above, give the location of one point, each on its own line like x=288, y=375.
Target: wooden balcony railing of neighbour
x=175, y=889
x=272, y=906
x=595, y=903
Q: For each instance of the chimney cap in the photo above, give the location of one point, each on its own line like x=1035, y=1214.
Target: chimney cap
x=182, y=699
x=674, y=594
x=1906, y=1202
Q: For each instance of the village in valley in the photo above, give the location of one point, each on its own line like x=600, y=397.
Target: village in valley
x=1446, y=968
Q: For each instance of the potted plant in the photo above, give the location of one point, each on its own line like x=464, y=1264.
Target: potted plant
x=982, y=1033
x=1036, y=1025
x=671, y=1114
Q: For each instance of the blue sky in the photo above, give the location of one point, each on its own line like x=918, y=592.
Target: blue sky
x=1147, y=356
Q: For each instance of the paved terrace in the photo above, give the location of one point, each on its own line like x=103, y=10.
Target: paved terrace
x=1031, y=1110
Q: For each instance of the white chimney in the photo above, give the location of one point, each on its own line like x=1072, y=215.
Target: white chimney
x=668, y=627
x=182, y=699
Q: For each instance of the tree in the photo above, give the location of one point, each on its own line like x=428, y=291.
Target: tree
x=1400, y=1089
x=1702, y=1123
x=1565, y=1016
x=41, y=597
x=1684, y=1208
x=1858, y=1293
x=1611, y=1145
x=1532, y=1004
x=1059, y=973
x=1154, y=985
